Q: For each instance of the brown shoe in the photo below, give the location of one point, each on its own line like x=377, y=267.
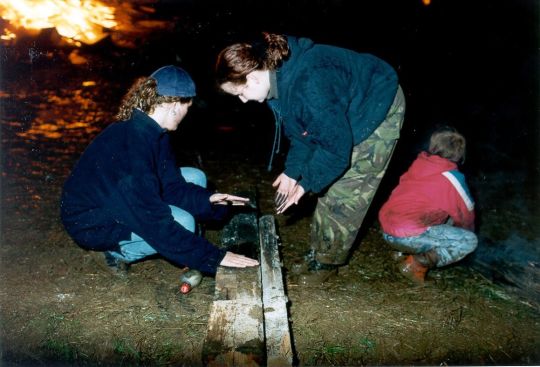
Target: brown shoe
x=413, y=270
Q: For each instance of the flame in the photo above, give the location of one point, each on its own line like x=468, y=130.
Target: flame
x=76, y=20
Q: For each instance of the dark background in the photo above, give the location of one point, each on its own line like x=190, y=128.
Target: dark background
x=470, y=64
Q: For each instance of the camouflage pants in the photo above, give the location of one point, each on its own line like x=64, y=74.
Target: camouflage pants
x=341, y=211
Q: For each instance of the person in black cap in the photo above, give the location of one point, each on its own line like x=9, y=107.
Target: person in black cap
x=125, y=196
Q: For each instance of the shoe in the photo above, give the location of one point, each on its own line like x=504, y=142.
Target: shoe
x=116, y=265
x=315, y=273
x=413, y=270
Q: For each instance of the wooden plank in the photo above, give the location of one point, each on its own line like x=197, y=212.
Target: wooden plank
x=238, y=284
x=248, y=323
x=276, y=322
x=235, y=335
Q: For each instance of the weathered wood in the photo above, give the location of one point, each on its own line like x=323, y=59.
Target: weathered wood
x=276, y=322
x=235, y=335
x=248, y=324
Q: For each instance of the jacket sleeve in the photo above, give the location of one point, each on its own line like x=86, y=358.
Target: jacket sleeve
x=145, y=212
x=186, y=195
x=151, y=218
x=321, y=137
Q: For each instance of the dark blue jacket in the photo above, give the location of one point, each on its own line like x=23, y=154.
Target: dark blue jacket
x=329, y=99
x=124, y=182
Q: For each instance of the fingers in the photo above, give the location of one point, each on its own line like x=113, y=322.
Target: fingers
x=233, y=260
x=236, y=198
x=283, y=202
x=224, y=199
x=280, y=199
x=284, y=207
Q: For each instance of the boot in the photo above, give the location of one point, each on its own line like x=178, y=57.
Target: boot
x=428, y=258
x=415, y=267
x=413, y=270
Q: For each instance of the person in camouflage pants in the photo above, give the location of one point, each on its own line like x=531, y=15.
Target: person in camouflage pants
x=341, y=211
x=341, y=112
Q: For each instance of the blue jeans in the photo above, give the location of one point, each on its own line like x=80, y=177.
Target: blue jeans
x=136, y=248
x=450, y=243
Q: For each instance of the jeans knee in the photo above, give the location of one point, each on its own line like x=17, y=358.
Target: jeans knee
x=185, y=219
x=194, y=175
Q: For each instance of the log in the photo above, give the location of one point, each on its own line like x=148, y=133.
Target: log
x=235, y=334
x=276, y=322
x=248, y=324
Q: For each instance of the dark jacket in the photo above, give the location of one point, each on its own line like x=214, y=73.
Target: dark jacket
x=329, y=99
x=124, y=182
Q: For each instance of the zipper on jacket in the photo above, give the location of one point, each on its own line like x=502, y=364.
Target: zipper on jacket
x=277, y=136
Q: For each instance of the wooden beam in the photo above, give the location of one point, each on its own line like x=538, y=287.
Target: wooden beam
x=276, y=322
x=248, y=323
x=235, y=335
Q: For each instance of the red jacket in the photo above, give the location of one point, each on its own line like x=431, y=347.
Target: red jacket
x=430, y=192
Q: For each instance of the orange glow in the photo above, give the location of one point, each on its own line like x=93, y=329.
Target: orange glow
x=426, y=2
x=76, y=20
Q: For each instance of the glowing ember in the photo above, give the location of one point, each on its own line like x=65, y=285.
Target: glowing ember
x=76, y=20
x=426, y=2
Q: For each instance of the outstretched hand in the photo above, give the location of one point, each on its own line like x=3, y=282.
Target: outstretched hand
x=225, y=199
x=233, y=260
x=288, y=192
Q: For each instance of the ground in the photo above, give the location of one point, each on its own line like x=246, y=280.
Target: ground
x=61, y=306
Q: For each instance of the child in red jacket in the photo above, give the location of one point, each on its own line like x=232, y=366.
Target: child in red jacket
x=430, y=214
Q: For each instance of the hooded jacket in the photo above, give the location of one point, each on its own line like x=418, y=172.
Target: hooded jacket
x=124, y=182
x=430, y=192
x=329, y=99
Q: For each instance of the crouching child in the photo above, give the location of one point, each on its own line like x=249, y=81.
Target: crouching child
x=429, y=216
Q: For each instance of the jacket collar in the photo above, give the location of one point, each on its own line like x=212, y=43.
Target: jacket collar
x=147, y=123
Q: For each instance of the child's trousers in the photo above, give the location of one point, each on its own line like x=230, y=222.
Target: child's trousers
x=450, y=243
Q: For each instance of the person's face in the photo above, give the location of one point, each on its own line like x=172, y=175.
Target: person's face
x=256, y=87
x=175, y=115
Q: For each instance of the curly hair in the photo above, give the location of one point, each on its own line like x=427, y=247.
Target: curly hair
x=235, y=62
x=448, y=143
x=143, y=95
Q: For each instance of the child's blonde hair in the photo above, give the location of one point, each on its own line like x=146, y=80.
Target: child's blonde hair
x=448, y=143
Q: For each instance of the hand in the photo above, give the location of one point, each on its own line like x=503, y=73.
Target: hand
x=285, y=186
x=224, y=199
x=291, y=199
x=233, y=260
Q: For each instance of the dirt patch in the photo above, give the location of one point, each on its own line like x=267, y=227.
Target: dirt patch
x=59, y=304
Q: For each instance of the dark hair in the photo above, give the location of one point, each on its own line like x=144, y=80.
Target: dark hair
x=143, y=95
x=236, y=61
x=448, y=143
